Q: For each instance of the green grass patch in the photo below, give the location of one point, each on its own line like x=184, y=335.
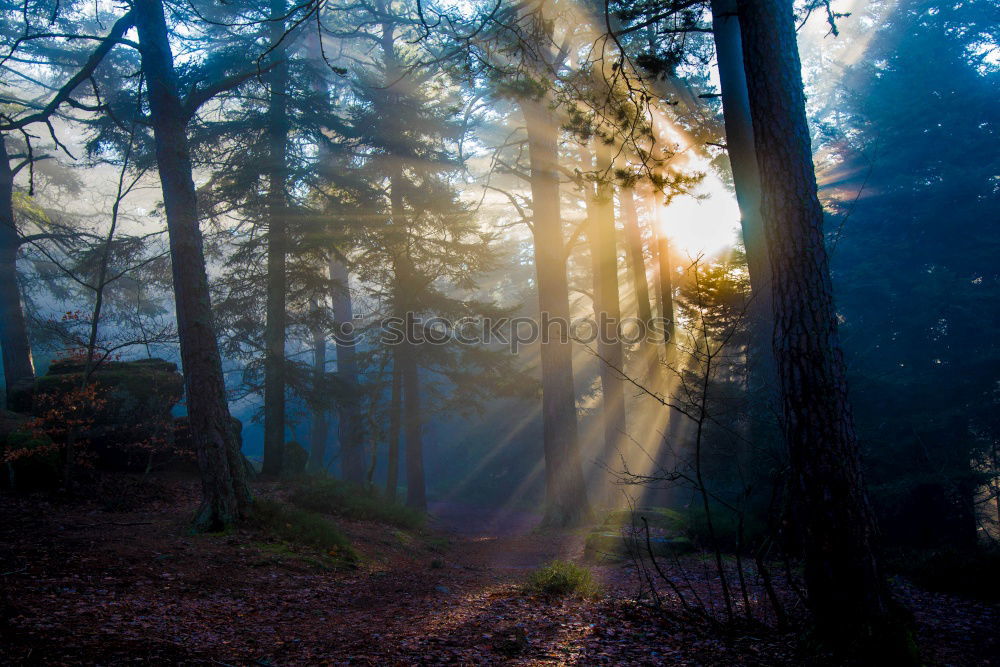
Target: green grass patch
x=301, y=526
x=330, y=496
x=564, y=578
x=656, y=517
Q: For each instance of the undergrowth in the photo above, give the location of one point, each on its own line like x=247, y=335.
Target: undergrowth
x=302, y=527
x=563, y=578
x=330, y=496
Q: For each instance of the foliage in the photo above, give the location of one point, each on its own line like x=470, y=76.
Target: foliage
x=302, y=527
x=564, y=578
x=914, y=262
x=331, y=496
x=969, y=572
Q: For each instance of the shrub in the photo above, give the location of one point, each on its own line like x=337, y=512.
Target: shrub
x=331, y=496
x=302, y=527
x=563, y=578
x=969, y=572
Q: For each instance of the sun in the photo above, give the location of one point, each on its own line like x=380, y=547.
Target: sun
x=705, y=222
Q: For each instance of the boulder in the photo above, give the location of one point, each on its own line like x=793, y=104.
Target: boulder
x=619, y=546
x=30, y=461
x=293, y=459
x=132, y=416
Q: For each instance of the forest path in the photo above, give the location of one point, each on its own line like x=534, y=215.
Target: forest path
x=504, y=540
x=84, y=585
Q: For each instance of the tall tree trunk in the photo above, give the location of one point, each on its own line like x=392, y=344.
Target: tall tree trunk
x=350, y=420
x=635, y=254
x=664, y=277
x=395, y=407
x=566, y=495
x=416, y=493
x=848, y=595
x=319, y=427
x=607, y=310
x=225, y=491
x=761, y=374
x=18, y=369
x=277, y=243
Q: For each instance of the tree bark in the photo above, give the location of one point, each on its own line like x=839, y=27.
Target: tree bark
x=226, y=494
x=18, y=369
x=350, y=426
x=636, y=256
x=319, y=427
x=416, y=492
x=395, y=407
x=277, y=242
x=607, y=310
x=664, y=277
x=566, y=495
x=761, y=373
x=848, y=595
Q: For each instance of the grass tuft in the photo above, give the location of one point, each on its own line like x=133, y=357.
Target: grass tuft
x=302, y=527
x=564, y=578
x=330, y=496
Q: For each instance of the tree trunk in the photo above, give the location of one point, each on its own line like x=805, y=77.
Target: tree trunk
x=566, y=495
x=848, y=595
x=395, y=406
x=664, y=277
x=416, y=493
x=277, y=242
x=225, y=491
x=18, y=369
x=607, y=311
x=636, y=256
x=319, y=427
x=761, y=375
x=351, y=426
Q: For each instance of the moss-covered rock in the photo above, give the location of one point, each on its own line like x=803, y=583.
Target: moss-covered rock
x=617, y=546
x=130, y=416
x=657, y=517
x=30, y=462
x=293, y=459
x=622, y=532
x=133, y=392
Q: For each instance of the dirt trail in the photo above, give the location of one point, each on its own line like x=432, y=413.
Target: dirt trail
x=79, y=585
x=501, y=540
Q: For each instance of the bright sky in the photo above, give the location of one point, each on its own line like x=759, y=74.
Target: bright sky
x=704, y=223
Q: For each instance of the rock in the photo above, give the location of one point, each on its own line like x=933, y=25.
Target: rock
x=11, y=422
x=616, y=546
x=133, y=412
x=37, y=464
x=293, y=459
x=510, y=642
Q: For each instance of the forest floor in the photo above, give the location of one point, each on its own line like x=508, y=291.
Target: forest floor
x=81, y=584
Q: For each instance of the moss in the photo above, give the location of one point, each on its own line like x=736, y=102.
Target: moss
x=293, y=459
x=657, y=517
x=302, y=527
x=614, y=546
x=331, y=496
x=37, y=463
x=563, y=578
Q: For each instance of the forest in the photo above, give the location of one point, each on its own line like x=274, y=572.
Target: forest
x=488, y=332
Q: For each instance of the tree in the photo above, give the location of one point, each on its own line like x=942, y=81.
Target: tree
x=277, y=242
x=922, y=376
x=746, y=182
x=226, y=494
x=848, y=594
x=18, y=365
